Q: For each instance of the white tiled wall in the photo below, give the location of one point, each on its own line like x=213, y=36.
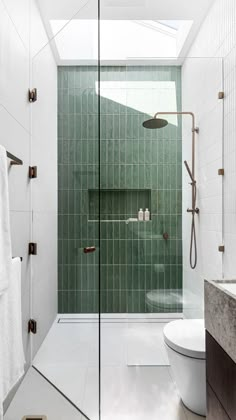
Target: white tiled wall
x=15, y=137
x=33, y=204
x=229, y=261
x=202, y=79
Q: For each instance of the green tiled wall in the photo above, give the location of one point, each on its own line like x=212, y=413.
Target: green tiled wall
x=136, y=166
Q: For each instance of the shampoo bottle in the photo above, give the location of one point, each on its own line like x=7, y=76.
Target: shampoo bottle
x=140, y=215
x=147, y=215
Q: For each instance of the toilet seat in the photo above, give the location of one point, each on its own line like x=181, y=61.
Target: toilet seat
x=186, y=337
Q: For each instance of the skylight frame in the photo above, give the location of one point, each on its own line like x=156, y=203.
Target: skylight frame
x=158, y=28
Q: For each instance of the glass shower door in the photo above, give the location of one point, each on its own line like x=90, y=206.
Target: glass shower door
x=65, y=201
x=143, y=258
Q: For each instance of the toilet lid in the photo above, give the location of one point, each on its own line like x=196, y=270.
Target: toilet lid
x=186, y=337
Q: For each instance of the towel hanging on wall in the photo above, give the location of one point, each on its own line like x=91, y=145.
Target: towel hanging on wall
x=12, y=357
x=5, y=235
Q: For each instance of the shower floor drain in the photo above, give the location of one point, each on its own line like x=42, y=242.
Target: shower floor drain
x=34, y=418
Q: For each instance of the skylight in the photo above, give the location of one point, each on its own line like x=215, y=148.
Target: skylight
x=174, y=24
x=120, y=40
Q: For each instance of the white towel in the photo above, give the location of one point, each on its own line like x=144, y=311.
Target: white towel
x=5, y=235
x=12, y=358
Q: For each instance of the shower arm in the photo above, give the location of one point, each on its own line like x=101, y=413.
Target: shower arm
x=191, y=172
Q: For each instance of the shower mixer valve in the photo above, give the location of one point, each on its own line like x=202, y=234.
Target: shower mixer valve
x=193, y=210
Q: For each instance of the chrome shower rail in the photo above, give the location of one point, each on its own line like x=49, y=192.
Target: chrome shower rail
x=14, y=160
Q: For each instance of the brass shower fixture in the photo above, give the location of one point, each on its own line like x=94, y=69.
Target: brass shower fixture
x=156, y=122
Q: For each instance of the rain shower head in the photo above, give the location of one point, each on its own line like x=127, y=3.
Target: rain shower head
x=155, y=123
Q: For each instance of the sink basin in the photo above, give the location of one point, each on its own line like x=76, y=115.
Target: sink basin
x=229, y=286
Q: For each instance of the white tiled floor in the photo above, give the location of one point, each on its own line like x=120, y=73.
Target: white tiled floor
x=136, y=383
x=36, y=397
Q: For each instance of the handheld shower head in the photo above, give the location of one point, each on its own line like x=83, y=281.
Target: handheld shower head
x=189, y=171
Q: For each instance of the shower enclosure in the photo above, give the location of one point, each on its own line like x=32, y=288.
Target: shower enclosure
x=119, y=278
x=138, y=169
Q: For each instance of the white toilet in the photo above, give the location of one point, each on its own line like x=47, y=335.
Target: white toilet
x=185, y=342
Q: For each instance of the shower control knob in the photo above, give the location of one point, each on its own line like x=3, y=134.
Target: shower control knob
x=196, y=210
x=165, y=236
x=89, y=249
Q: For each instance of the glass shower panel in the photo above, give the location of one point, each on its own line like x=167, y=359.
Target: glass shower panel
x=144, y=264
x=202, y=80
x=141, y=260
x=145, y=272
x=154, y=270
x=65, y=148
x=140, y=168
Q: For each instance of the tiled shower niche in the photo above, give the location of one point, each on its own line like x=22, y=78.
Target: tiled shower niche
x=138, y=168
x=117, y=205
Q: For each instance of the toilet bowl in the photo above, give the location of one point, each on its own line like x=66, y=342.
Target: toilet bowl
x=185, y=343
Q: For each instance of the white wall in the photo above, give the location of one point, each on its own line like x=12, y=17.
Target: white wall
x=229, y=260
x=33, y=204
x=202, y=79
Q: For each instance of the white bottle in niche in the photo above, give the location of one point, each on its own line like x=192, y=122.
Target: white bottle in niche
x=146, y=215
x=140, y=215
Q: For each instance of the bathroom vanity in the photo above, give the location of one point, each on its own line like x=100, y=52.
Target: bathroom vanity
x=220, y=322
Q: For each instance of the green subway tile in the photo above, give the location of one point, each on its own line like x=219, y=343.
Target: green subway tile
x=132, y=158
x=123, y=301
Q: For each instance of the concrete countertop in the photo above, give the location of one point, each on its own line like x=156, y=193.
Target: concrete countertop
x=220, y=314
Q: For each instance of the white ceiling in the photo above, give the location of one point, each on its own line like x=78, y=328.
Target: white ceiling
x=61, y=18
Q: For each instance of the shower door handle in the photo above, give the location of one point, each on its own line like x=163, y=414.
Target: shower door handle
x=89, y=249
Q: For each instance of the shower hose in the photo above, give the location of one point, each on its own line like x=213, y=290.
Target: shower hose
x=193, y=240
